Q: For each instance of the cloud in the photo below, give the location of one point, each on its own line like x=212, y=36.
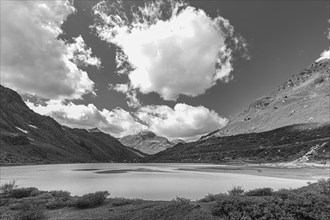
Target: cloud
x=33, y=59
x=81, y=55
x=117, y=122
x=130, y=93
x=169, y=47
x=183, y=121
x=324, y=55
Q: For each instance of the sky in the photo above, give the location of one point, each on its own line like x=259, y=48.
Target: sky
x=181, y=69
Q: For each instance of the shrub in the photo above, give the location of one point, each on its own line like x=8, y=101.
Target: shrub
x=212, y=197
x=21, y=192
x=245, y=208
x=284, y=194
x=60, y=193
x=91, y=200
x=7, y=187
x=45, y=195
x=122, y=201
x=58, y=203
x=322, y=187
x=19, y=206
x=311, y=202
x=181, y=200
x=31, y=212
x=236, y=191
x=36, y=192
x=260, y=192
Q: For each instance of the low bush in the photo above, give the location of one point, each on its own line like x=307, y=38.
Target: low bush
x=7, y=187
x=310, y=202
x=260, y=192
x=320, y=187
x=31, y=212
x=45, y=195
x=122, y=202
x=60, y=193
x=58, y=203
x=284, y=194
x=181, y=200
x=212, y=197
x=19, y=206
x=236, y=191
x=22, y=192
x=91, y=200
x=233, y=207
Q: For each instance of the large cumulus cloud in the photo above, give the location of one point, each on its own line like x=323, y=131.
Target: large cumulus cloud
x=33, y=59
x=183, y=121
x=169, y=47
x=117, y=122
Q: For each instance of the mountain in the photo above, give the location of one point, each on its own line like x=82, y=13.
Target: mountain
x=304, y=98
x=290, y=124
x=148, y=142
x=94, y=130
x=27, y=137
x=280, y=145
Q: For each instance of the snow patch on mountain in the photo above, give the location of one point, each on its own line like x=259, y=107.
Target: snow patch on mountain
x=22, y=130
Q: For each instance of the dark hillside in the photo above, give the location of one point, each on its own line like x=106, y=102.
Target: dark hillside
x=27, y=137
x=283, y=144
x=304, y=98
x=292, y=123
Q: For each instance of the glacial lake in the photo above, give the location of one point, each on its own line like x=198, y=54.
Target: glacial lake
x=144, y=181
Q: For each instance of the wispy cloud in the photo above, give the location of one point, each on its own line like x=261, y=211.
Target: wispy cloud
x=130, y=93
x=81, y=55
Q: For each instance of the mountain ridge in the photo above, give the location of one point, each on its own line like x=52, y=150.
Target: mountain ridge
x=291, y=122
x=28, y=137
x=303, y=98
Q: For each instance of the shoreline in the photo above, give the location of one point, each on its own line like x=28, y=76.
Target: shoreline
x=288, y=164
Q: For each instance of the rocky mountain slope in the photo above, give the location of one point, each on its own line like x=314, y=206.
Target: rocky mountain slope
x=284, y=144
x=304, y=98
x=291, y=123
x=148, y=142
x=27, y=137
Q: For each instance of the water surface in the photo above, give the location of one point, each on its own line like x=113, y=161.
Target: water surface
x=144, y=181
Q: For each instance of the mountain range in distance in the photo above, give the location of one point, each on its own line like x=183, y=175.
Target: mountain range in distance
x=148, y=142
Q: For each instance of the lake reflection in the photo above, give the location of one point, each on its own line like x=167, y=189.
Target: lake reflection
x=144, y=181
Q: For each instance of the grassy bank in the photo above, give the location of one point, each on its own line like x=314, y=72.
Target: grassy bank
x=309, y=202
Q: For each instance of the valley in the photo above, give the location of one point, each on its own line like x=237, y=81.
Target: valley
x=164, y=110
x=290, y=125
